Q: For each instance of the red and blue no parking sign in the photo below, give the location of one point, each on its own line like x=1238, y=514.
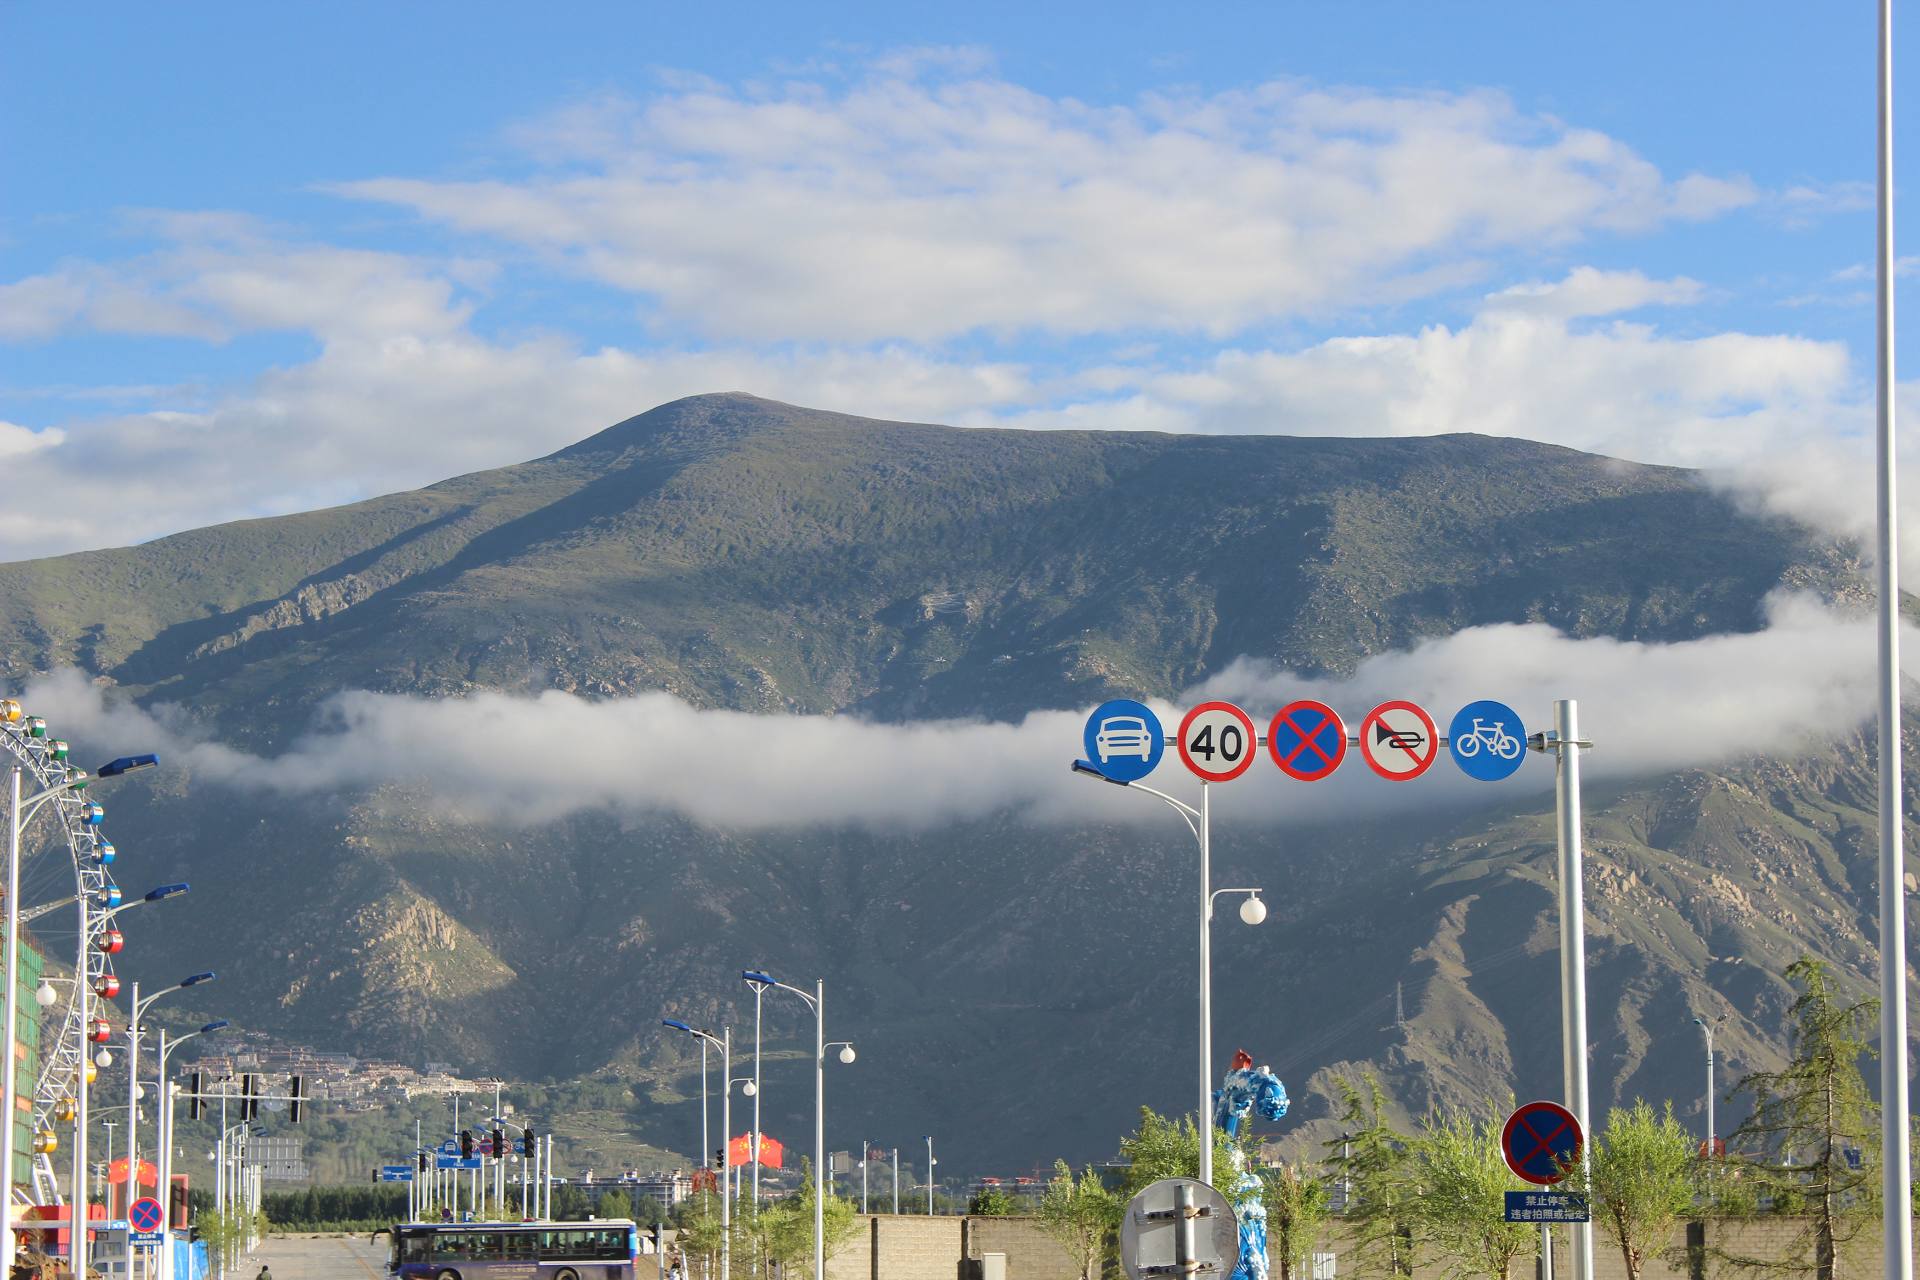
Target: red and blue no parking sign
x=1307, y=740
x=1541, y=1142
x=144, y=1217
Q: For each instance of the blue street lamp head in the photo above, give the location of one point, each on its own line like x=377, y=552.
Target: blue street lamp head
x=1087, y=767
x=199, y=978
x=126, y=764
x=167, y=891
x=754, y=975
x=214, y=1026
x=677, y=1026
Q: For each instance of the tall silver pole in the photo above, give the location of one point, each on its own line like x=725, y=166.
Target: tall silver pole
x=1573, y=949
x=9, y=1100
x=78, y=1254
x=863, y=1175
x=706, y=1140
x=133, y=1098
x=1897, y=1264
x=819, y=1128
x=896, y=1181
x=759, y=991
x=929, y=1175
x=1710, y=1129
x=1203, y=1118
x=726, y=1131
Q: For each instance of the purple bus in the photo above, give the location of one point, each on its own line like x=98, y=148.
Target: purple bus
x=601, y=1249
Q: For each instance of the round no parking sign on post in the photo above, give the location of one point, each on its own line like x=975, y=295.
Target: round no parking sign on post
x=1541, y=1143
x=1216, y=741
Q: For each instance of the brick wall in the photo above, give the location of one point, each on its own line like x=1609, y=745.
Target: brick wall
x=1031, y=1253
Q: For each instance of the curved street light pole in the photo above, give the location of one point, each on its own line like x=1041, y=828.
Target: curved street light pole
x=163, y=1138
x=1198, y=822
x=817, y=1001
x=725, y=1042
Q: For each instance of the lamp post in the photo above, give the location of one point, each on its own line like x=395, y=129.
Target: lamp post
x=19, y=813
x=136, y=1007
x=1252, y=911
x=725, y=1042
x=817, y=1001
x=930, y=1163
x=163, y=1139
x=753, y=979
x=896, y=1182
x=1708, y=1028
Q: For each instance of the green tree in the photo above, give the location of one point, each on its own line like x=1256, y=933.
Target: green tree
x=1373, y=1162
x=1297, y=1208
x=614, y=1204
x=1081, y=1215
x=1641, y=1175
x=1166, y=1148
x=1814, y=1127
x=991, y=1202
x=784, y=1229
x=1461, y=1181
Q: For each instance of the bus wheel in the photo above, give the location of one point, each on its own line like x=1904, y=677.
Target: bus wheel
x=448, y=1275
x=568, y=1274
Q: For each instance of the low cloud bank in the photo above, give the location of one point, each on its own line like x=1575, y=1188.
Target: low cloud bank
x=1649, y=708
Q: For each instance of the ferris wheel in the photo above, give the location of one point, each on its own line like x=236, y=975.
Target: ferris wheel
x=73, y=859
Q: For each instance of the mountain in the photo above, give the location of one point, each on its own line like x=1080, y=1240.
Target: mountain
x=757, y=556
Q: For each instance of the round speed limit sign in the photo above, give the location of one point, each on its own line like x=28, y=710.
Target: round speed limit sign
x=1217, y=741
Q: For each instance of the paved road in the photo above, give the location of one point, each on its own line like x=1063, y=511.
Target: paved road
x=335, y=1258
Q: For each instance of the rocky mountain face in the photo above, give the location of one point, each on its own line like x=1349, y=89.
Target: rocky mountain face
x=1017, y=990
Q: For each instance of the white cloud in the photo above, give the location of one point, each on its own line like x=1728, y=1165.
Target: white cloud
x=1649, y=708
x=922, y=202
x=1589, y=292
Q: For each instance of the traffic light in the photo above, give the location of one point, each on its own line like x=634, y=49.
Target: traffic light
x=466, y=1144
x=376, y=1175
x=195, y=1107
x=423, y=1161
x=296, y=1096
x=527, y=1143
x=249, y=1097
x=499, y=1144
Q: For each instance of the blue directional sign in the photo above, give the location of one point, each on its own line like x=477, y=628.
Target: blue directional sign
x=456, y=1162
x=1487, y=740
x=1124, y=740
x=396, y=1173
x=450, y=1147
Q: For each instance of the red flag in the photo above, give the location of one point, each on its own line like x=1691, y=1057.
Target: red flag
x=771, y=1151
x=740, y=1151
x=117, y=1173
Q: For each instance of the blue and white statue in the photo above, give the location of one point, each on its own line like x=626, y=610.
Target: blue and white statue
x=1261, y=1093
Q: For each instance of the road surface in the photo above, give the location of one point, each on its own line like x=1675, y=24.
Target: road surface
x=325, y=1258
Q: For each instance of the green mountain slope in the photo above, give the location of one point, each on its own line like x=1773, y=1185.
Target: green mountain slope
x=1017, y=990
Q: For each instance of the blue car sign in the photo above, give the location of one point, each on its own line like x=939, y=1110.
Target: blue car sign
x=1124, y=740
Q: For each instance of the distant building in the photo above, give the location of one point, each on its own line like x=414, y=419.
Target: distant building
x=667, y=1188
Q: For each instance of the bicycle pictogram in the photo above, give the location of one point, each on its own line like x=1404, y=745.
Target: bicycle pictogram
x=1494, y=737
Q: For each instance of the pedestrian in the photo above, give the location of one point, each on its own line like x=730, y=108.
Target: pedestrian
x=265, y=1274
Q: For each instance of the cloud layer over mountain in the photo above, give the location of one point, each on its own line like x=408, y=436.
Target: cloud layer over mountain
x=1805, y=678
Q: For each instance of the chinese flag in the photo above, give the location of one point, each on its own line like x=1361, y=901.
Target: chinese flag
x=740, y=1151
x=117, y=1173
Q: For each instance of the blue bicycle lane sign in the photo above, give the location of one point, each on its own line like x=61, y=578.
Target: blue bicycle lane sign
x=1487, y=740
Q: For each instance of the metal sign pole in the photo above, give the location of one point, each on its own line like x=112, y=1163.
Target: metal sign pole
x=1573, y=947
x=1897, y=1261
x=1203, y=1119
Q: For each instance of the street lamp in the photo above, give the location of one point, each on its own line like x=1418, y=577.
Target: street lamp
x=1708, y=1028
x=930, y=1163
x=19, y=813
x=759, y=982
x=725, y=1042
x=817, y=1001
x=163, y=1131
x=135, y=1008
x=1252, y=911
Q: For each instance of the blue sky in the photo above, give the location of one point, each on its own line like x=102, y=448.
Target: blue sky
x=260, y=258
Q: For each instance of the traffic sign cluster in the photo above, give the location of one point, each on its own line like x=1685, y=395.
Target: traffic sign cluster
x=1307, y=739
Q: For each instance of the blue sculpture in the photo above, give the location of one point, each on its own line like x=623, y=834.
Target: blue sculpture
x=1260, y=1093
